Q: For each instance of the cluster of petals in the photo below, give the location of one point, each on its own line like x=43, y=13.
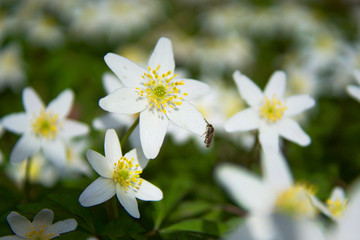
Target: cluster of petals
x=157, y=95
x=354, y=90
x=263, y=115
x=125, y=183
x=43, y=127
x=40, y=228
x=260, y=197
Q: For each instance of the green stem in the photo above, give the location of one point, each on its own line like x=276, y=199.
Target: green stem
x=27, y=179
x=131, y=129
x=115, y=207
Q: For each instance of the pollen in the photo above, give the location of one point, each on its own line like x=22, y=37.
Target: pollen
x=272, y=109
x=336, y=207
x=46, y=125
x=38, y=233
x=161, y=90
x=127, y=174
x=296, y=201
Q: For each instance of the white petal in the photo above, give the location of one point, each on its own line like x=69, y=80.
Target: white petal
x=354, y=91
x=132, y=154
x=188, y=117
x=111, y=82
x=44, y=217
x=31, y=101
x=100, y=164
x=269, y=138
x=337, y=194
x=128, y=201
x=249, y=91
x=348, y=224
x=245, y=188
x=357, y=76
x=290, y=129
x=110, y=120
x=245, y=120
x=322, y=207
x=19, y=224
x=153, y=126
x=123, y=101
x=298, y=103
x=62, y=104
x=17, y=122
x=112, y=146
x=13, y=237
x=163, y=55
x=54, y=150
x=276, y=171
x=194, y=88
x=62, y=227
x=127, y=71
x=276, y=85
x=143, y=161
x=24, y=148
x=72, y=128
x=149, y=192
x=99, y=191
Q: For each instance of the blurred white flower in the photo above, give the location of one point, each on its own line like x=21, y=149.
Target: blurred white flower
x=276, y=192
x=11, y=67
x=45, y=128
x=354, y=90
x=40, y=228
x=156, y=95
x=113, y=18
x=43, y=172
x=215, y=55
x=40, y=171
x=270, y=112
x=44, y=31
x=119, y=175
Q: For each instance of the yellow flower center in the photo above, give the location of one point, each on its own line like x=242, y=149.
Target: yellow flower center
x=46, y=125
x=126, y=173
x=272, y=109
x=336, y=207
x=161, y=90
x=38, y=234
x=296, y=200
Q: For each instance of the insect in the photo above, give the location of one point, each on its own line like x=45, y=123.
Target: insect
x=209, y=134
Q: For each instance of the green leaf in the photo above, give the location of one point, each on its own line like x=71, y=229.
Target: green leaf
x=173, y=195
x=123, y=227
x=195, y=225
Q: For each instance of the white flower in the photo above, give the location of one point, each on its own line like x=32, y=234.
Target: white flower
x=119, y=175
x=156, y=94
x=354, y=90
x=40, y=228
x=276, y=192
x=270, y=112
x=45, y=128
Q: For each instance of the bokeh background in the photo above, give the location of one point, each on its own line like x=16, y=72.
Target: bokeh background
x=52, y=45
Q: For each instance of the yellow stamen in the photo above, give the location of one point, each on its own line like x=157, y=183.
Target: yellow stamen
x=272, y=109
x=38, y=233
x=46, y=125
x=127, y=174
x=296, y=200
x=161, y=90
x=336, y=207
